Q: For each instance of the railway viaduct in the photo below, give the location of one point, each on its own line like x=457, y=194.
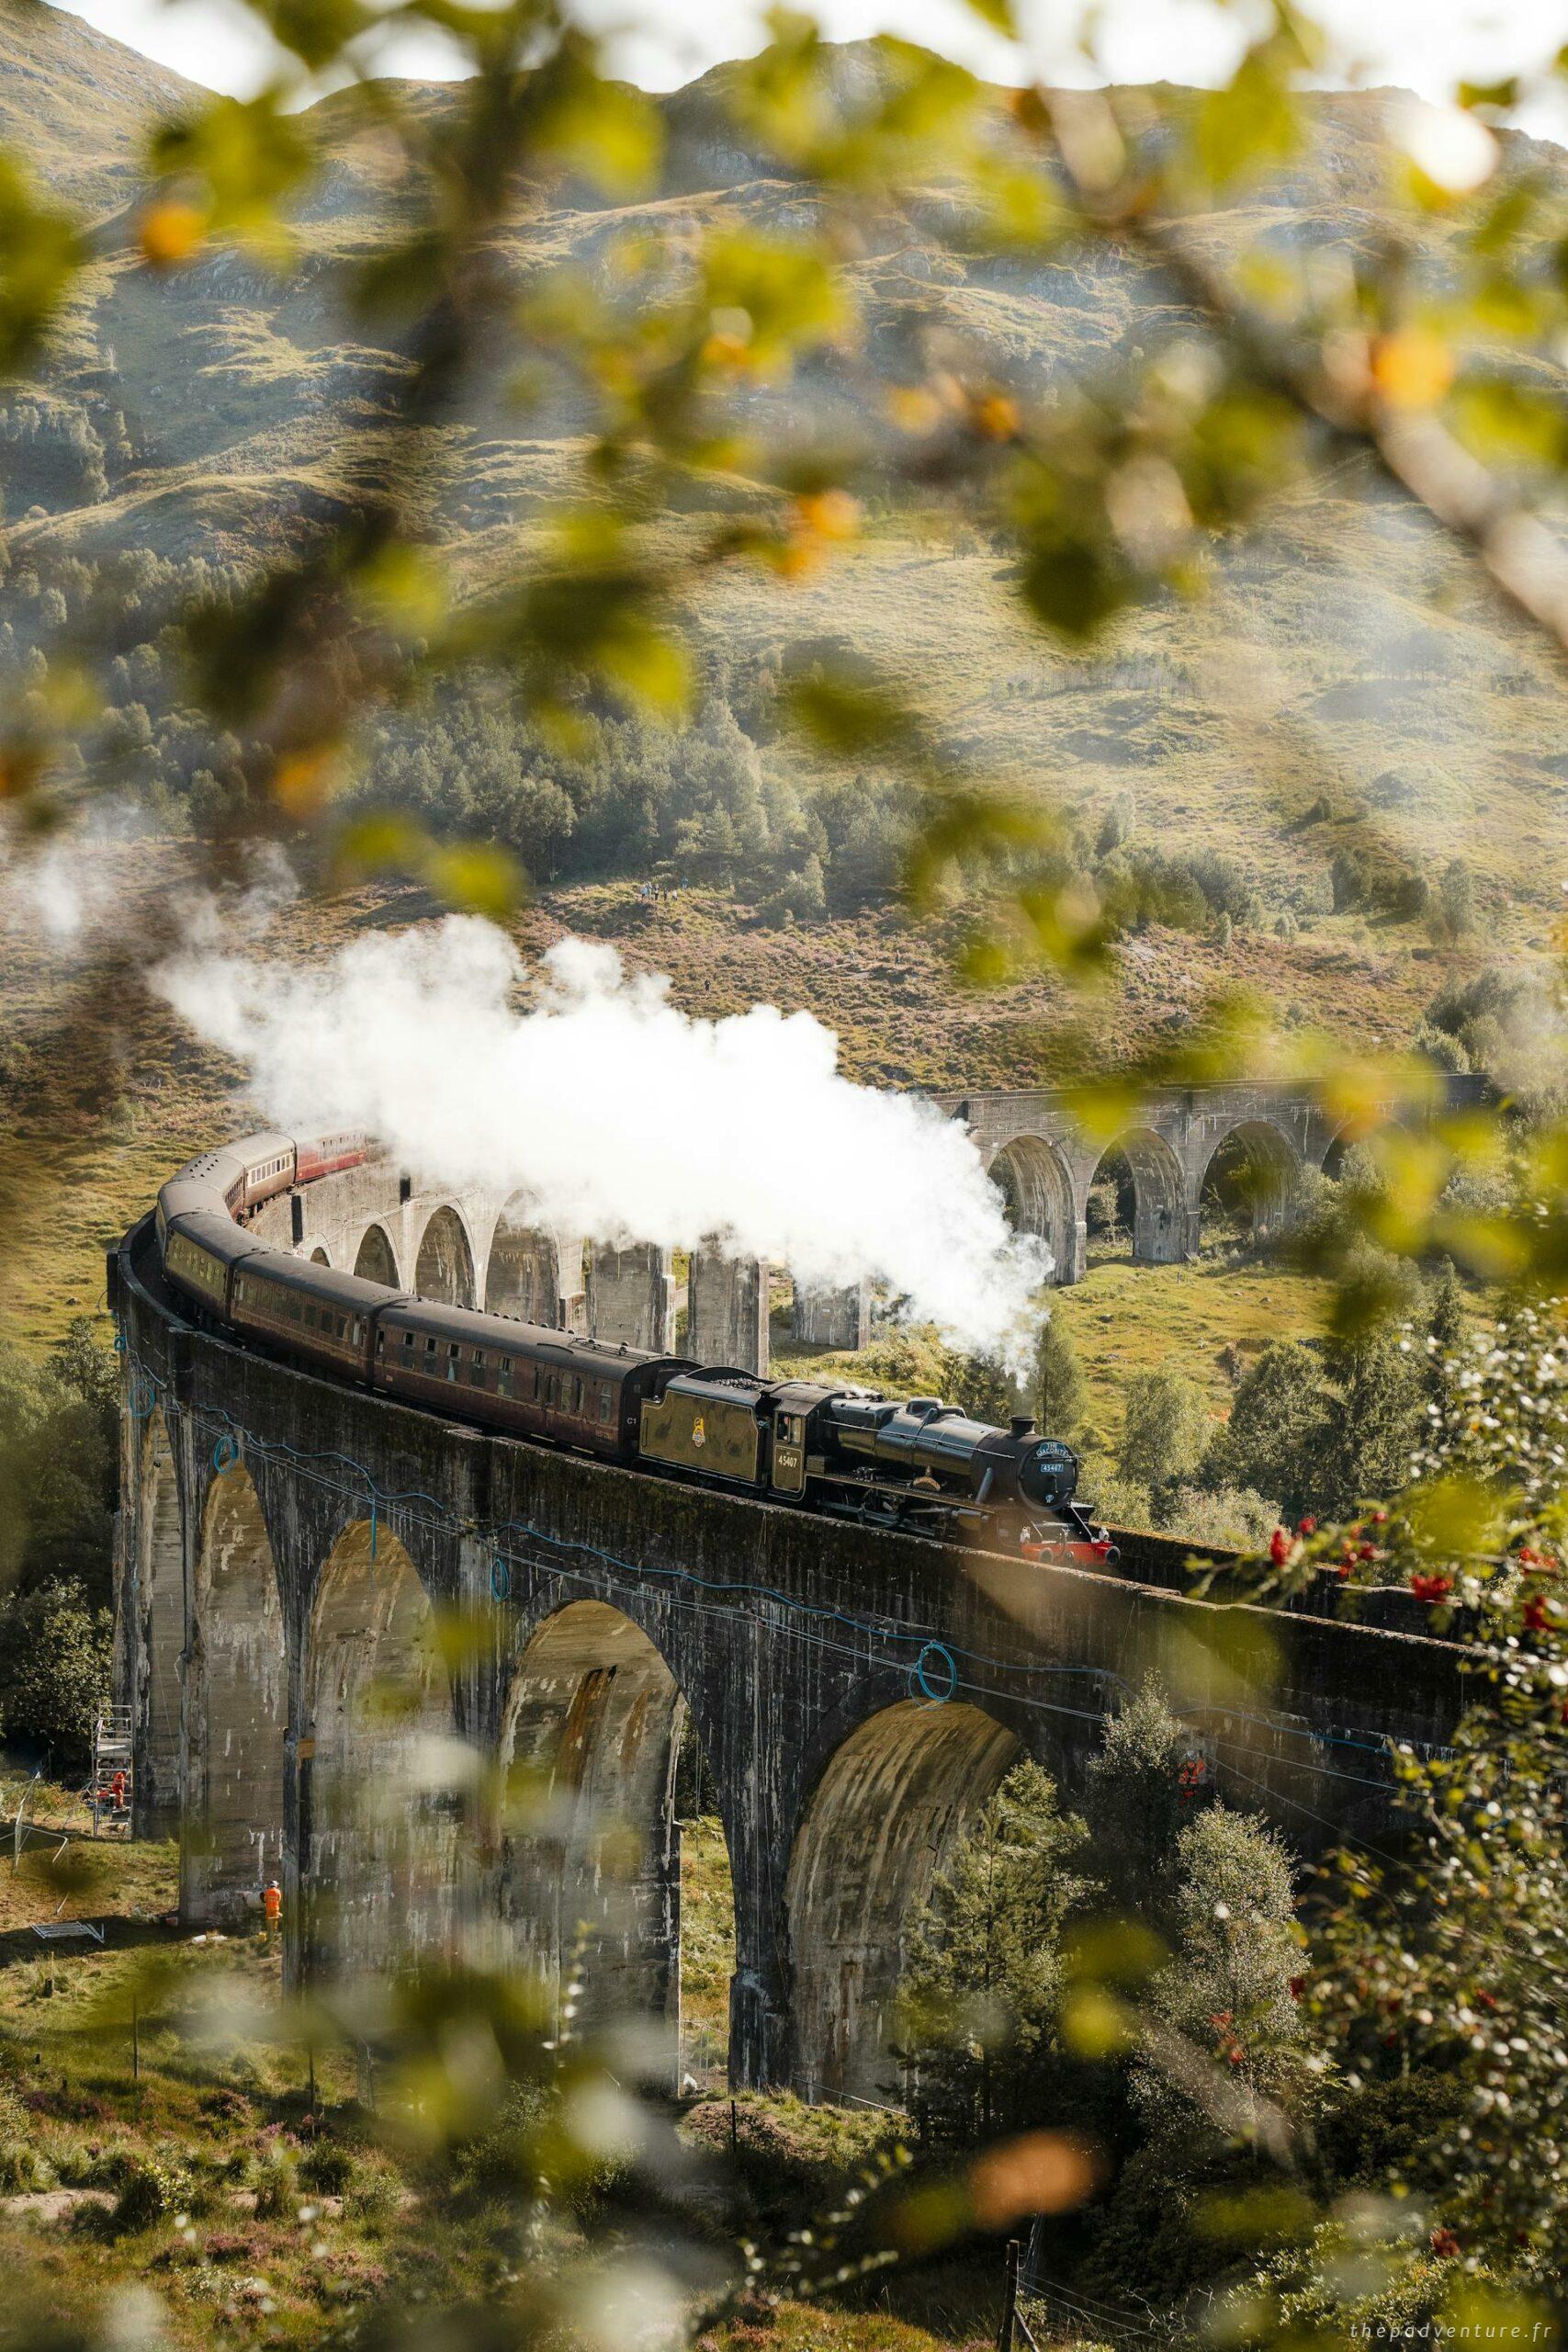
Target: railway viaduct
x=1043, y=1152
x=1044, y=1149
x=440, y=1682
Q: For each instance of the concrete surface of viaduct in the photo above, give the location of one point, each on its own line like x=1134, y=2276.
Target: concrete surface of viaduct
x=287, y=1547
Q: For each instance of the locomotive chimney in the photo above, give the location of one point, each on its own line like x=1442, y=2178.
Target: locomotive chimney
x=1022, y=1425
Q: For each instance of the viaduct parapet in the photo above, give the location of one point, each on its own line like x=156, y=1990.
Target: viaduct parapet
x=288, y=1547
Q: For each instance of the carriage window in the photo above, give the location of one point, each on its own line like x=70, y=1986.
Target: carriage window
x=430, y=1346
x=453, y=1352
x=550, y=1388
x=479, y=1359
x=380, y=1343
x=606, y=1402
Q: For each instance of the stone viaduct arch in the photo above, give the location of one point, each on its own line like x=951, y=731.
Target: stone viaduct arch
x=160, y=1610
x=1264, y=1168
x=1164, y=1224
x=374, y=1259
x=444, y=1264
x=589, y=1845
x=237, y=1704
x=1043, y=1162
x=886, y=1815
x=1035, y=1180
x=377, y=1840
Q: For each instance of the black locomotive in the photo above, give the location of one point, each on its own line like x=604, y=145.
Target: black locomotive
x=919, y=1465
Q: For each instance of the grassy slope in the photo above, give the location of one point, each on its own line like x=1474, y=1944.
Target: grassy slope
x=221, y=2106
x=79, y=105
x=1341, y=644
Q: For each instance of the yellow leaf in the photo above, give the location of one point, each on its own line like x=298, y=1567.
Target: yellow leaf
x=1095, y=2024
x=1042, y=2172
x=481, y=878
x=1411, y=368
x=170, y=234
x=303, y=782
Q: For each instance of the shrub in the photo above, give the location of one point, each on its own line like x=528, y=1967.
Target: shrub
x=1345, y=2288
x=1455, y=912
x=1233, y=1517
x=1449, y=1053
x=1165, y=1428
x=149, y=2190
x=1118, y=1501
x=329, y=2168
x=1139, y=1795
x=372, y=2196
x=277, y=2188
x=57, y=1662
x=23, y=2168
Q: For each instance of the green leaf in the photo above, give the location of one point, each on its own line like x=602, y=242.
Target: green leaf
x=1252, y=123
x=1076, y=585
x=1504, y=95
x=607, y=131
x=316, y=32
x=787, y=292
x=848, y=718
x=998, y=14
x=247, y=155
x=40, y=253
x=1504, y=421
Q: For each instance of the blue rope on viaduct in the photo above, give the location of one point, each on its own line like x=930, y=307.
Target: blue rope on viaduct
x=438, y=1684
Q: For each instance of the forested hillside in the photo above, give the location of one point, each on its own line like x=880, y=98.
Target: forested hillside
x=1377, y=741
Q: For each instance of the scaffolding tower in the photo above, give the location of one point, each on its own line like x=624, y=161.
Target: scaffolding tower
x=113, y=1785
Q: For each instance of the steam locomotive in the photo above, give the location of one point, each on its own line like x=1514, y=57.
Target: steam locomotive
x=852, y=1452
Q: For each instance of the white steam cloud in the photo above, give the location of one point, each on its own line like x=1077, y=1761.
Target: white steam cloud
x=622, y=1118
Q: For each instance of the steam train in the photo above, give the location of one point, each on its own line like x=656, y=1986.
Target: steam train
x=852, y=1452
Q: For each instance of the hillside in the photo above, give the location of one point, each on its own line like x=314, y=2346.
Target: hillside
x=1343, y=679
x=78, y=105
x=1340, y=651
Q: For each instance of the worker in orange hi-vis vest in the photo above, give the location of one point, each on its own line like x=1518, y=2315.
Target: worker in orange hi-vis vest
x=272, y=1906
